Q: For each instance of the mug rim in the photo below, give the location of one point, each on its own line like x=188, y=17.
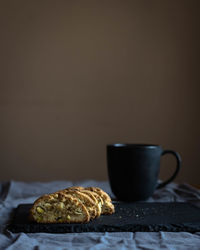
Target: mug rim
x=132, y=145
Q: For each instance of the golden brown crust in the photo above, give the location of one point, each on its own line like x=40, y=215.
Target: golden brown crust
x=85, y=199
x=107, y=206
x=94, y=196
x=75, y=187
x=102, y=193
x=99, y=202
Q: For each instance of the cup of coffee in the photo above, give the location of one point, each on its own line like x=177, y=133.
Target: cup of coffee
x=133, y=170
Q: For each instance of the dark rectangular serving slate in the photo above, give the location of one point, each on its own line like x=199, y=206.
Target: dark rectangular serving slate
x=129, y=217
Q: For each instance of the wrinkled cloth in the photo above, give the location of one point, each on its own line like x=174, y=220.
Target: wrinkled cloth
x=14, y=193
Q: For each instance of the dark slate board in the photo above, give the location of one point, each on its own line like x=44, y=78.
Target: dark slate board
x=129, y=217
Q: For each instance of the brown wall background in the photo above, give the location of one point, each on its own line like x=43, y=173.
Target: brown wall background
x=76, y=75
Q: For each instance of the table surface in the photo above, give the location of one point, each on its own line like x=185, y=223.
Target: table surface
x=14, y=193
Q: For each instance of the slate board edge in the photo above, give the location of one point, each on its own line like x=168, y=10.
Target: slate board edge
x=44, y=228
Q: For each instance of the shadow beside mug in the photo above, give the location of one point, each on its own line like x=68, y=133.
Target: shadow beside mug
x=133, y=170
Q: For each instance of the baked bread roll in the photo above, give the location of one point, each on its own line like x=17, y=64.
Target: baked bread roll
x=59, y=208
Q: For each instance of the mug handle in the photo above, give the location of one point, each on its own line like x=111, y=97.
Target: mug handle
x=178, y=165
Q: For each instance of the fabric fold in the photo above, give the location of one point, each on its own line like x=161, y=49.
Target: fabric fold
x=14, y=193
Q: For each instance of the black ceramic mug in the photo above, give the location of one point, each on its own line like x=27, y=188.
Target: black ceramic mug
x=133, y=170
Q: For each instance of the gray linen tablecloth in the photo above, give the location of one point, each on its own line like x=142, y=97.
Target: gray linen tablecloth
x=13, y=193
